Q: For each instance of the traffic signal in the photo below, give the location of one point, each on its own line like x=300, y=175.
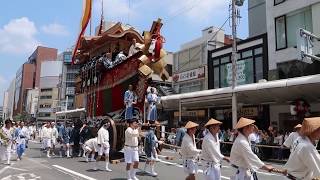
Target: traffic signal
x=239, y=2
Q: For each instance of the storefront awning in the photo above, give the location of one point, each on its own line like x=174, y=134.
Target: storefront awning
x=272, y=92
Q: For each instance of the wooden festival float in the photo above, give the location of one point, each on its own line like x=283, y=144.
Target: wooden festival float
x=107, y=69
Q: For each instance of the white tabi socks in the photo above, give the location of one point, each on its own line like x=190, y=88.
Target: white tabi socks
x=129, y=175
x=107, y=167
x=133, y=174
x=153, y=173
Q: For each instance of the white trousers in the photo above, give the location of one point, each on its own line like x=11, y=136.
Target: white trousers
x=242, y=174
x=213, y=172
x=190, y=166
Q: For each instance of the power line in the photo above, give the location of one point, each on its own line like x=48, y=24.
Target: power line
x=182, y=11
x=203, y=46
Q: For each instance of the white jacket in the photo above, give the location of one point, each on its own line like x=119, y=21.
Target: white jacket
x=211, y=149
x=242, y=156
x=92, y=143
x=304, y=160
x=131, y=137
x=188, y=148
x=46, y=133
x=289, y=141
x=103, y=137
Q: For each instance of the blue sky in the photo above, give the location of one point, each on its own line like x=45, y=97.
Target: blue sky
x=55, y=23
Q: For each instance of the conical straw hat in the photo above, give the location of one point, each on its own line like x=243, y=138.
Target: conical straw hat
x=212, y=122
x=309, y=125
x=244, y=122
x=297, y=126
x=191, y=124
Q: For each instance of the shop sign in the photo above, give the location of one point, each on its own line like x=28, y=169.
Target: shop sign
x=244, y=73
x=189, y=75
x=243, y=112
x=196, y=113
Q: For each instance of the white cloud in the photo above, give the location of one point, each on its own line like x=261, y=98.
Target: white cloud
x=193, y=10
x=18, y=36
x=55, y=29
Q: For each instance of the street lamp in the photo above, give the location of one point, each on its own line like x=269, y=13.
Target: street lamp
x=234, y=16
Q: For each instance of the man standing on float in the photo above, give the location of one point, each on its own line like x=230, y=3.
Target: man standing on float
x=129, y=101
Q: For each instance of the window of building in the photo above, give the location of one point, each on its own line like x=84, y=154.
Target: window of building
x=298, y=19
x=67, y=57
x=281, y=39
x=276, y=2
x=46, y=90
x=288, y=25
x=44, y=114
x=249, y=69
x=191, y=86
x=45, y=97
x=45, y=105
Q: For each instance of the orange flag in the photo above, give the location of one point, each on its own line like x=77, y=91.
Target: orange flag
x=87, y=8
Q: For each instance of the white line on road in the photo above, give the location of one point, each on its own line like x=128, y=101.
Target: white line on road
x=180, y=166
x=73, y=172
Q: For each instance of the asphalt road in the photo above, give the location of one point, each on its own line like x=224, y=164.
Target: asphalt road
x=35, y=166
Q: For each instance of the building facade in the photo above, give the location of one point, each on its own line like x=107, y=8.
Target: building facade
x=40, y=55
x=69, y=73
x=257, y=19
x=190, y=64
x=252, y=67
x=51, y=72
x=24, y=81
x=284, y=18
x=32, y=102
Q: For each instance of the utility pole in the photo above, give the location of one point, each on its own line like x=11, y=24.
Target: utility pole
x=234, y=62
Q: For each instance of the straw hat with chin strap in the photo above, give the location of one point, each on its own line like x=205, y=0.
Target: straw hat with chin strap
x=212, y=122
x=191, y=124
x=243, y=122
x=310, y=125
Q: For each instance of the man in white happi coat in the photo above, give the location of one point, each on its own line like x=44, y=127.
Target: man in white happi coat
x=54, y=137
x=241, y=156
x=103, y=144
x=292, y=137
x=304, y=160
x=189, y=151
x=90, y=147
x=6, y=141
x=131, y=154
x=134, y=48
x=211, y=154
x=46, y=138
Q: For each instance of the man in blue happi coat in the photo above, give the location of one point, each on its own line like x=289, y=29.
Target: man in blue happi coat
x=129, y=101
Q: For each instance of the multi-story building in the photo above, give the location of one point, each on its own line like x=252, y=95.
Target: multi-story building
x=273, y=86
x=23, y=82
x=69, y=73
x=28, y=76
x=40, y=55
x=1, y=111
x=49, y=90
x=257, y=19
x=190, y=63
x=284, y=18
x=4, y=114
x=32, y=102
x=8, y=111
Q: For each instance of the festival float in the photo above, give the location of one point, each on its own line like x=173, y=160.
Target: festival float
x=116, y=56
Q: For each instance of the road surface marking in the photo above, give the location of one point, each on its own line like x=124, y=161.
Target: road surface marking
x=9, y=167
x=180, y=166
x=73, y=172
